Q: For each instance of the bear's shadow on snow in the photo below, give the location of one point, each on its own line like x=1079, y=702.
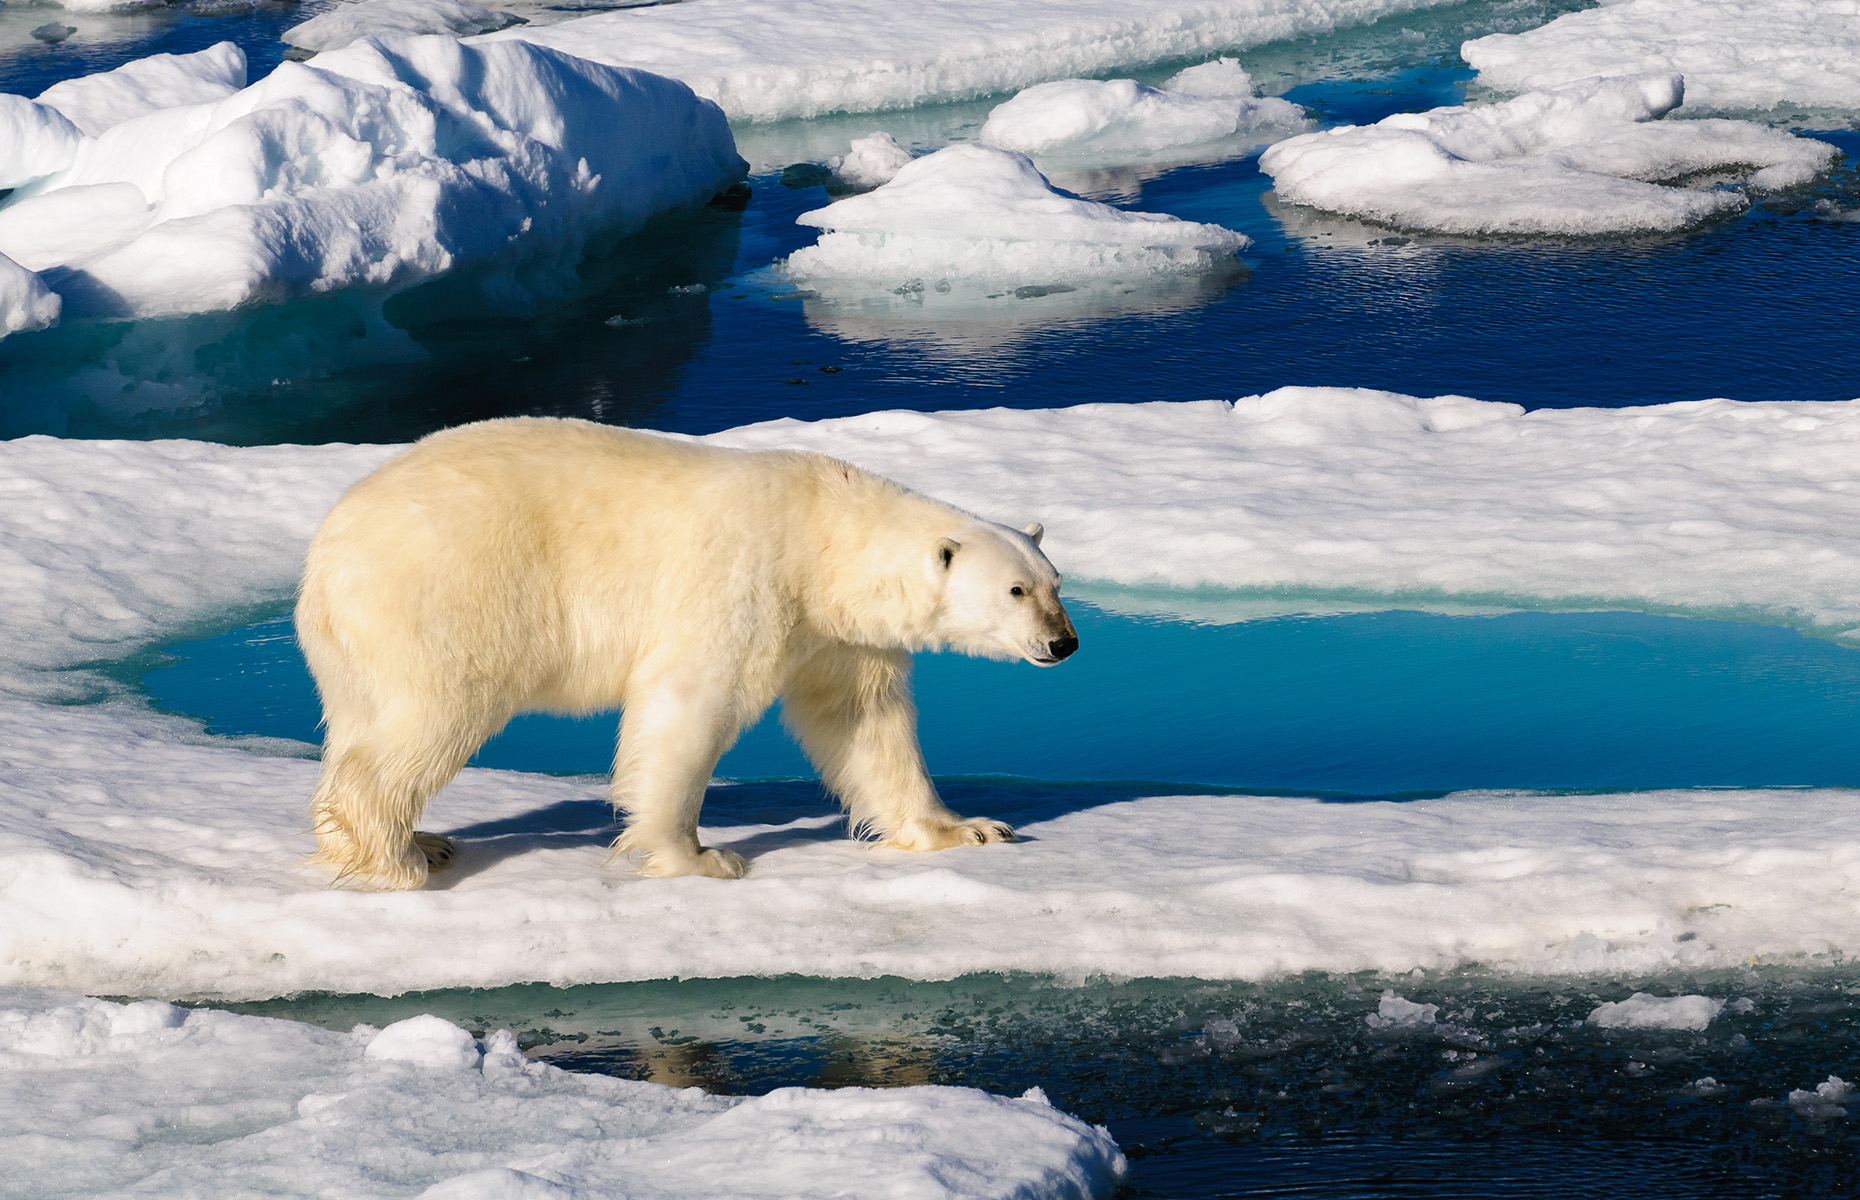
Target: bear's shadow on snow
x=793, y=808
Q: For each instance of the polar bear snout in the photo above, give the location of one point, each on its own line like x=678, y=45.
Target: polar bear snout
x=1062, y=647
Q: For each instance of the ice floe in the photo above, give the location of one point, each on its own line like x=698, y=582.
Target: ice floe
x=378, y=166
x=1644, y=1011
x=871, y=161
x=336, y=27
x=135, y=852
x=978, y=216
x=153, y=1099
x=1736, y=55
x=1121, y=120
x=1579, y=159
x=766, y=60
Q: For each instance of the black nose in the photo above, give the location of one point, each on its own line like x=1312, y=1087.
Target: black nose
x=1063, y=647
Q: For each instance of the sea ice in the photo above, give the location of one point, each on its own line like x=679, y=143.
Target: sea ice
x=377, y=166
x=1120, y=120
x=134, y=850
x=980, y=216
x=872, y=161
x=336, y=27
x=1825, y=1102
x=1574, y=160
x=1736, y=55
x=25, y=301
x=1644, y=1011
x=1396, y=1012
x=766, y=60
x=156, y=1100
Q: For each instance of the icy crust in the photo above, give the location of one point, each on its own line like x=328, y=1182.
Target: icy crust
x=1121, y=120
x=346, y=23
x=766, y=60
x=131, y=863
x=158, y=1100
x=975, y=214
x=1736, y=55
x=1578, y=159
x=378, y=166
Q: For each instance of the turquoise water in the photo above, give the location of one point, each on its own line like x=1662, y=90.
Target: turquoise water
x=1362, y=703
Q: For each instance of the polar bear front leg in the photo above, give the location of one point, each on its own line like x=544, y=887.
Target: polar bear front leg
x=671, y=737
x=851, y=708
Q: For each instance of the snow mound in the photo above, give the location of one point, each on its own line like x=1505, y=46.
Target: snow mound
x=378, y=166
x=767, y=60
x=1120, y=120
x=94, y=103
x=346, y=23
x=255, y=1106
x=1573, y=160
x=979, y=215
x=25, y=302
x=1644, y=1011
x=1736, y=55
x=425, y=1041
x=872, y=161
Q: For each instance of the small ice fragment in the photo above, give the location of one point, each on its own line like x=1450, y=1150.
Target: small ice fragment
x=686, y=289
x=1825, y=1102
x=1394, y=1012
x=1122, y=120
x=1645, y=1011
x=52, y=32
x=872, y=161
x=1222, y=77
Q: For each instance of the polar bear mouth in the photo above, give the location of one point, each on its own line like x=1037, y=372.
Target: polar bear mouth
x=1043, y=662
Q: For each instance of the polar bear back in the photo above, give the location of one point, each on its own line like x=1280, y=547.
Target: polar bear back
x=539, y=560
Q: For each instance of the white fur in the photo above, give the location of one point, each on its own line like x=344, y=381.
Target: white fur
x=560, y=565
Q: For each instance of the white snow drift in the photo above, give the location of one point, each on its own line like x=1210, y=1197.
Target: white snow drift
x=136, y=857
x=978, y=215
x=1120, y=120
x=166, y=187
x=1736, y=55
x=337, y=27
x=1579, y=159
x=766, y=60
x=157, y=1100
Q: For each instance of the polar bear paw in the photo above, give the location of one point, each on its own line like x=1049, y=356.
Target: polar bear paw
x=439, y=850
x=953, y=831
x=716, y=864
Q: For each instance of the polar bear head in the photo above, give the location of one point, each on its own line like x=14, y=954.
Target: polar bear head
x=1000, y=596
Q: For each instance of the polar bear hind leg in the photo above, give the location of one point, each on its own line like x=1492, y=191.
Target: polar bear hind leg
x=850, y=707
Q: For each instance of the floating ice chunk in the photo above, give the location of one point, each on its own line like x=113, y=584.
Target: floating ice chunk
x=1575, y=160
x=1736, y=55
x=1394, y=1012
x=1825, y=1102
x=104, y=6
x=53, y=32
x=106, y=99
x=1217, y=77
x=767, y=60
x=1644, y=1011
x=242, y=1105
x=975, y=213
x=25, y=302
x=346, y=23
x=379, y=165
x=873, y=161
x=1122, y=119
x=426, y=1041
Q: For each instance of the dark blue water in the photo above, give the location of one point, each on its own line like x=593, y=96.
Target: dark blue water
x=1361, y=704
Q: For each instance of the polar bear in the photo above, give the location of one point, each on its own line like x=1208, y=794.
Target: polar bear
x=560, y=565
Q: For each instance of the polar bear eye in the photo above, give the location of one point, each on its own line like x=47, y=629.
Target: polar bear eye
x=1017, y=590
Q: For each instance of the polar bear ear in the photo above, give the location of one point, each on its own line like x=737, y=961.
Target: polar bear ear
x=946, y=551
x=1035, y=532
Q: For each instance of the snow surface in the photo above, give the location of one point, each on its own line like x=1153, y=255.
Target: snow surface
x=1736, y=55
x=977, y=215
x=1644, y=1011
x=765, y=60
x=140, y=857
x=156, y=1100
x=1577, y=159
x=377, y=166
x=346, y=23
x=1110, y=121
